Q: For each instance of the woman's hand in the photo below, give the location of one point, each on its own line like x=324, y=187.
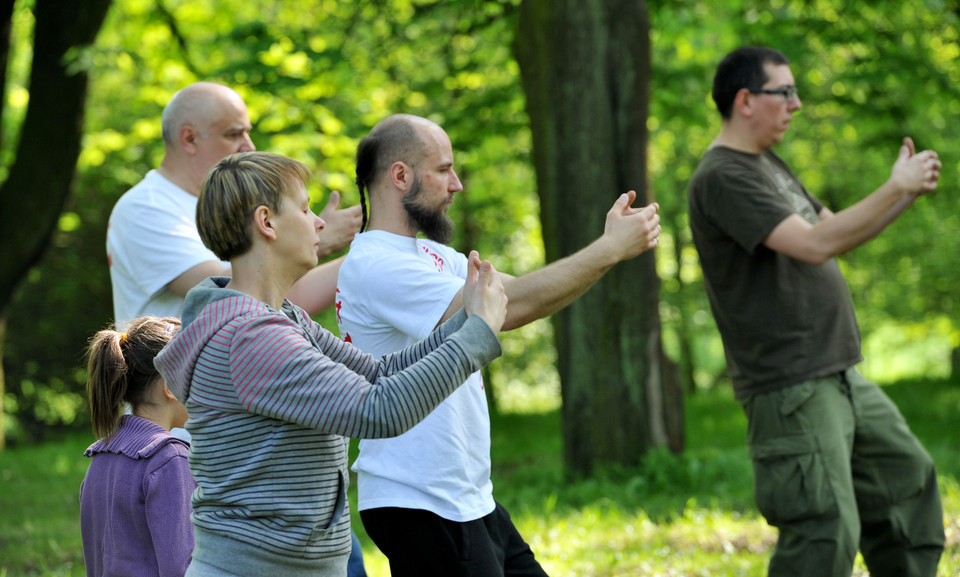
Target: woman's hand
x=483, y=293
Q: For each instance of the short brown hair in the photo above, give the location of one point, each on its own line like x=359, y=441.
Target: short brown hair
x=233, y=189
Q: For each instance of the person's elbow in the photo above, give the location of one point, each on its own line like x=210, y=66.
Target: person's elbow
x=808, y=251
x=799, y=240
x=813, y=257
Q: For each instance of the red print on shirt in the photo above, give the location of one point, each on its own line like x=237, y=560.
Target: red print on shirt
x=437, y=259
x=346, y=337
x=339, y=306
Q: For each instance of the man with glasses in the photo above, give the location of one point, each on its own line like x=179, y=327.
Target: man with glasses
x=835, y=466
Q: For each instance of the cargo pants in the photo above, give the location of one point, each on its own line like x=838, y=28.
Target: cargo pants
x=836, y=469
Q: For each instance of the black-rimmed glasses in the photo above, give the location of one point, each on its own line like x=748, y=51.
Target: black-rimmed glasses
x=786, y=93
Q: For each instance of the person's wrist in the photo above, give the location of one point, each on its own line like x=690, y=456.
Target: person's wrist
x=609, y=250
x=900, y=187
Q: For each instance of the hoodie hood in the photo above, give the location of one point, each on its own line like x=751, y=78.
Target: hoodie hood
x=208, y=307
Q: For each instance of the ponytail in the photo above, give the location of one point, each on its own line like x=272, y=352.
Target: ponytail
x=120, y=368
x=367, y=153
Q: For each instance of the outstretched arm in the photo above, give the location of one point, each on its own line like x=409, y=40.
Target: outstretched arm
x=316, y=290
x=195, y=275
x=627, y=233
x=913, y=174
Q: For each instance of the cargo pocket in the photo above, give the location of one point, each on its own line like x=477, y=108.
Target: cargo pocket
x=790, y=481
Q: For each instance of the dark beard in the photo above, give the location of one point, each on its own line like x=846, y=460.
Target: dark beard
x=436, y=225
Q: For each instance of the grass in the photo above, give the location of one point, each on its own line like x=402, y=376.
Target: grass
x=689, y=515
x=40, y=508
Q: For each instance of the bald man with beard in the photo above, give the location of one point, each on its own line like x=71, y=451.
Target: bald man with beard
x=426, y=496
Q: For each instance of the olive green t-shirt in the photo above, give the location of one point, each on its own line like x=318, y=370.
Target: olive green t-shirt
x=782, y=320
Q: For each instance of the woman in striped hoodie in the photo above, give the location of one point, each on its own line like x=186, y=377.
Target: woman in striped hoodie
x=272, y=396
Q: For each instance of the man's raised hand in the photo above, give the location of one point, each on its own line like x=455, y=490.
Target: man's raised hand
x=631, y=231
x=341, y=225
x=916, y=173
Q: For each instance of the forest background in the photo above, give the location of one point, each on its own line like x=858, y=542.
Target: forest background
x=316, y=76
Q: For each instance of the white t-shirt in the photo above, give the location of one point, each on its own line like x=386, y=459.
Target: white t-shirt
x=152, y=239
x=391, y=293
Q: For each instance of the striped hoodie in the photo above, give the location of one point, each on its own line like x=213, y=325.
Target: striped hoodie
x=272, y=398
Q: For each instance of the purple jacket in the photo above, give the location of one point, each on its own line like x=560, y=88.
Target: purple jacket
x=135, y=503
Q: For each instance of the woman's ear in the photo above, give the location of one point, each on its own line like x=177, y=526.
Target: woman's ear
x=263, y=222
x=167, y=394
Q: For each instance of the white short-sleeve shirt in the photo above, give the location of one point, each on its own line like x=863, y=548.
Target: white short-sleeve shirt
x=392, y=291
x=152, y=239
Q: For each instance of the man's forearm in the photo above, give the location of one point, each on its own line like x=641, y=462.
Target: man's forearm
x=861, y=222
x=627, y=233
x=541, y=293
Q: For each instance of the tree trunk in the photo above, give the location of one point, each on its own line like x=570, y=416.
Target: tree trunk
x=585, y=67
x=685, y=364
x=40, y=179
x=3, y=337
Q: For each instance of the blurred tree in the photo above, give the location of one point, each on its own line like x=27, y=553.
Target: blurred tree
x=586, y=70
x=39, y=178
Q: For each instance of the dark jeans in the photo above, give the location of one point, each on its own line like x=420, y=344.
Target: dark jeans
x=355, y=566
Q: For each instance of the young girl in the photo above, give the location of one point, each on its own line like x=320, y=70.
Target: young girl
x=135, y=498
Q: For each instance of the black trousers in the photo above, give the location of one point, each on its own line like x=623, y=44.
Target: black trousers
x=421, y=544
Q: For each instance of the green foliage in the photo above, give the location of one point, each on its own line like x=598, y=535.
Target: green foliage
x=18, y=75
x=318, y=75
x=714, y=470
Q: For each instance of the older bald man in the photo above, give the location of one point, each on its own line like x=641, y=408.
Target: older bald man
x=153, y=247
